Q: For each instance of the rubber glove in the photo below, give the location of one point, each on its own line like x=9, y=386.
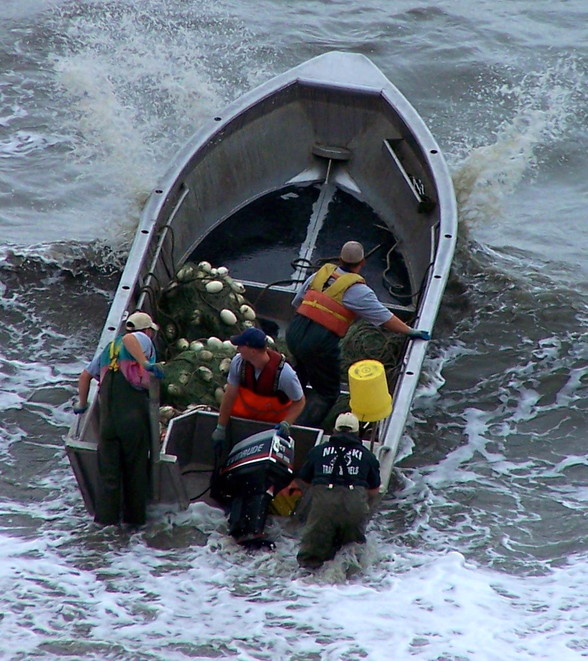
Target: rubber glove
x=219, y=434
x=218, y=442
x=419, y=334
x=283, y=429
x=155, y=368
x=78, y=409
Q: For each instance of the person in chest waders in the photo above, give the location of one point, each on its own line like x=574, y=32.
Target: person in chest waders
x=344, y=479
x=123, y=370
x=326, y=305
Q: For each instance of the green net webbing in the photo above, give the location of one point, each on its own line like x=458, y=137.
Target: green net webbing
x=202, y=301
x=364, y=341
x=196, y=376
x=199, y=311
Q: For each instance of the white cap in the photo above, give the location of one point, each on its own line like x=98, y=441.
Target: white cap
x=140, y=321
x=347, y=422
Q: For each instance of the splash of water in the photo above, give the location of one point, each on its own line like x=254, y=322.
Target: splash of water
x=544, y=105
x=139, y=79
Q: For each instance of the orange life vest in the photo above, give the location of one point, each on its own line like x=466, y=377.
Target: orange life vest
x=260, y=399
x=325, y=304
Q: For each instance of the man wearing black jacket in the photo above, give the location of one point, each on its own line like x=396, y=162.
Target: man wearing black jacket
x=344, y=477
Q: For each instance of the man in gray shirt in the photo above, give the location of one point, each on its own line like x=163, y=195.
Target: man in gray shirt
x=326, y=305
x=261, y=385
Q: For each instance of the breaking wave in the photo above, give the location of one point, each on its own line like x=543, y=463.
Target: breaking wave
x=541, y=109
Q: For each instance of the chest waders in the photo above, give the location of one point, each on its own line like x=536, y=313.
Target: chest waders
x=338, y=516
x=340, y=467
x=123, y=448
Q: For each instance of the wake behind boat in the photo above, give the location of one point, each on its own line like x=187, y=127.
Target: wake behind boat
x=327, y=152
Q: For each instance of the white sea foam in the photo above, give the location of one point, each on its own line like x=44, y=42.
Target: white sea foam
x=126, y=595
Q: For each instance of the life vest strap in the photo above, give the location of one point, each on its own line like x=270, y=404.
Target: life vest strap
x=341, y=284
x=113, y=354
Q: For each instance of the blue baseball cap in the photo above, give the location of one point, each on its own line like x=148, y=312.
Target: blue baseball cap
x=251, y=337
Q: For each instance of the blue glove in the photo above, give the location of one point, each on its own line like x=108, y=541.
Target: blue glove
x=283, y=429
x=219, y=434
x=419, y=334
x=155, y=368
x=78, y=409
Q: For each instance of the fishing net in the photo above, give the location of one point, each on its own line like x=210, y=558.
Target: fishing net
x=364, y=341
x=197, y=375
x=200, y=310
x=202, y=301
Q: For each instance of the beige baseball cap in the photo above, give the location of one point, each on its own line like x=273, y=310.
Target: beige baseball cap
x=140, y=321
x=352, y=252
x=347, y=422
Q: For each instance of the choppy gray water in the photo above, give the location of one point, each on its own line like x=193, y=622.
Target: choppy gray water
x=481, y=551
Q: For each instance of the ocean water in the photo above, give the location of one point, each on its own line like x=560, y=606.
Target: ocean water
x=480, y=551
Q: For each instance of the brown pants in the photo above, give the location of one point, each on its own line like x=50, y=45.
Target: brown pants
x=337, y=516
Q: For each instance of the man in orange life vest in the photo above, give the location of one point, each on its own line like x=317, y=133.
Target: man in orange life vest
x=326, y=305
x=261, y=385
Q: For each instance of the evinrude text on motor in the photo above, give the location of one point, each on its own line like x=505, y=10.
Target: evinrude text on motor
x=257, y=468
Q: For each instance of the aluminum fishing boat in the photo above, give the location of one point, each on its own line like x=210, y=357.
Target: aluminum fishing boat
x=324, y=153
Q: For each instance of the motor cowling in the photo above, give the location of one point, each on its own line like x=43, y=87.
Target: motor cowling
x=266, y=450
x=257, y=468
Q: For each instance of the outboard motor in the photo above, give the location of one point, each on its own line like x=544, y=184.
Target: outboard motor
x=257, y=468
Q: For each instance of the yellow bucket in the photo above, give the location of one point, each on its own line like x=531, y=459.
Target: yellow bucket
x=368, y=390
